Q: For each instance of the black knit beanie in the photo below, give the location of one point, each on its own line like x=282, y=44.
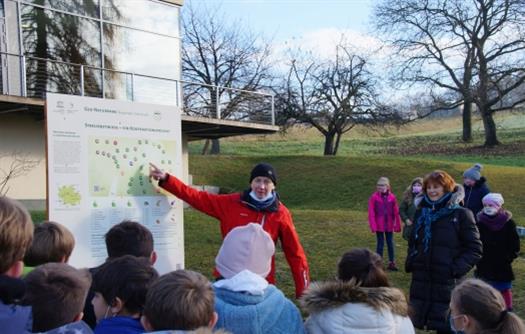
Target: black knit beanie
x=264, y=169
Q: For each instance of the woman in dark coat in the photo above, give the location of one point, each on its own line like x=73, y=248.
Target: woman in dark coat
x=443, y=247
x=475, y=187
x=501, y=245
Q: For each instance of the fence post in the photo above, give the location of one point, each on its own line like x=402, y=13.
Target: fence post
x=23, y=76
x=217, y=103
x=81, y=80
x=132, y=86
x=273, y=109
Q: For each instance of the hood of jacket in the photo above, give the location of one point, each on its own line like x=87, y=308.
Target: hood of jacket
x=79, y=327
x=457, y=197
x=321, y=296
x=202, y=330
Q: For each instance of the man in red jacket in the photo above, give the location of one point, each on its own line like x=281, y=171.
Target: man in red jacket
x=259, y=204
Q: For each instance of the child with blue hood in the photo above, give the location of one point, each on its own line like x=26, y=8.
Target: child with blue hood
x=244, y=301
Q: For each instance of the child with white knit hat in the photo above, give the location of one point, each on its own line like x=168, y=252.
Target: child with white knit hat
x=244, y=300
x=501, y=245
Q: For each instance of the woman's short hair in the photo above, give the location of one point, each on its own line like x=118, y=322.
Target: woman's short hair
x=440, y=177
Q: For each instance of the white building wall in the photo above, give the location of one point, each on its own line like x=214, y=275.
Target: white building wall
x=22, y=135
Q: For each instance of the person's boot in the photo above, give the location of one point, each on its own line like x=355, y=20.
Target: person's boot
x=392, y=266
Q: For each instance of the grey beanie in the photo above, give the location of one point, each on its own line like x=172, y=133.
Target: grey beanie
x=474, y=172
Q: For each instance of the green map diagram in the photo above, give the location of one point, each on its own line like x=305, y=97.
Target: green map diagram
x=120, y=166
x=69, y=195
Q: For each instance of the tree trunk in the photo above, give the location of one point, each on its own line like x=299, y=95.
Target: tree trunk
x=467, y=121
x=206, y=147
x=329, y=138
x=337, y=140
x=215, y=146
x=491, y=138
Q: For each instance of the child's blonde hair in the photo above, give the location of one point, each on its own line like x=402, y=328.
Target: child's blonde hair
x=486, y=306
x=16, y=232
x=52, y=242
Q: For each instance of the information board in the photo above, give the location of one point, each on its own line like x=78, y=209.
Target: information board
x=98, y=155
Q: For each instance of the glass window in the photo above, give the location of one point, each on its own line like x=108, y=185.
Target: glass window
x=81, y=7
x=141, y=52
x=60, y=38
x=143, y=14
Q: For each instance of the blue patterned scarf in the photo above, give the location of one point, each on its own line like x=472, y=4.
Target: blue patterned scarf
x=429, y=215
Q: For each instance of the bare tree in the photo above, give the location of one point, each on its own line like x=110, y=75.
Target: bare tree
x=473, y=48
x=18, y=164
x=332, y=96
x=221, y=56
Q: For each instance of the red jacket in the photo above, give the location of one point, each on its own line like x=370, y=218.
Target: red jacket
x=231, y=211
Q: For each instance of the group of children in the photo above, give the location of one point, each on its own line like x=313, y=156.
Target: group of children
x=127, y=295
x=449, y=229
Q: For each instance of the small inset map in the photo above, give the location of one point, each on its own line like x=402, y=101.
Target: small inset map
x=69, y=195
x=120, y=166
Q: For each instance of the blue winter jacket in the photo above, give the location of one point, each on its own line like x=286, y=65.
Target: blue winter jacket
x=79, y=327
x=474, y=195
x=14, y=319
x=242, y=313
x=119, y=325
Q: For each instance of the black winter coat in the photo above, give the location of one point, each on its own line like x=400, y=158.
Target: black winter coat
x=454, y=249
x=500, y=248
x=474, y=195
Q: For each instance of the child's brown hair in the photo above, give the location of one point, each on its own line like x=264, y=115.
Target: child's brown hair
x=363, y=265
x=57, y=293
x=16, y=232
x=180, y=300
x=486, y=306
x=52, y=242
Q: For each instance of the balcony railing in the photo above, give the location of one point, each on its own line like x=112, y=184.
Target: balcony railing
x=34, y=77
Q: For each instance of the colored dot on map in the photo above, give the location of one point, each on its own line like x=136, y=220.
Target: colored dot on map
x=158, y=146
x=97, y=152
x=143, y=155
x=131, y=179
x=129, y=203
x=129, y=191
x=103, y=152
x=144, y=191
x=113, y=204
x=135, y=149
x=135, y=159
x=130, y=184
x=146, y=203
x=162, y=162
x=114, y=157
x=131, y=163
x=97, y=141
x=117, y=150
x=145, y=141
x=157, y=221
x=127, y=149
x=169, y=162
x=163, y=152
x=140, y=142
x=124, y=156
x=95, y=204
x=107, y=141
x=115, y=142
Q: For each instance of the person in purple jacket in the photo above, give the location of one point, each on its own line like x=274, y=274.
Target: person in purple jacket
x=384, y=220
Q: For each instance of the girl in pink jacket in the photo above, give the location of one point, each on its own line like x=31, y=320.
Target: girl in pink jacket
x=383, y=217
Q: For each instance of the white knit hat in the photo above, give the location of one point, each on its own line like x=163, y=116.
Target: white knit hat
x=493, y=198
x=246, y=247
